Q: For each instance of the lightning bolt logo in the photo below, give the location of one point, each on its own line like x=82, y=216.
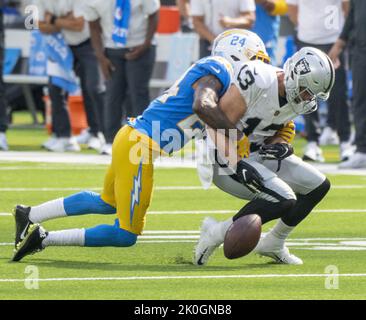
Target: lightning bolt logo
x=135, y=192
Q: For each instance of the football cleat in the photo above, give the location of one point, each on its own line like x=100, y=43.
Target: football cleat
x=3, y=142
x=207, y=243
x=49, y=143
x=106, y=149
x=328, y=137
x=347, y=150
x=32, y=243
x=22, y=222
x=83, y=137
x=356, y=161
x=65, y=144
x=272, y=247
x=313, y=153
x=96, y=142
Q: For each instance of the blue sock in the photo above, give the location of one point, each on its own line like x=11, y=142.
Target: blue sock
x=109, y=236
x=86, y=202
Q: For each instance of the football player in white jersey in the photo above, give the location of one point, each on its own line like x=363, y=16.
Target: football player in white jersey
x=272, y=97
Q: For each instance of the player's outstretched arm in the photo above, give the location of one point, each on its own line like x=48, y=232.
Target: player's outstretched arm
x=206, y=104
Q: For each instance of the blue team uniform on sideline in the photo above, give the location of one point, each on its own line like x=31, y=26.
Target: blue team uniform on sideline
x=267, y=27
x=169, y=120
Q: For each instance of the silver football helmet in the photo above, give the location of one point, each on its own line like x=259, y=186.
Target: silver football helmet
x=239, y=45
x=309, y=75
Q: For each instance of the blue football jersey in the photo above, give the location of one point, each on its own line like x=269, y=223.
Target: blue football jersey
x=169, y=119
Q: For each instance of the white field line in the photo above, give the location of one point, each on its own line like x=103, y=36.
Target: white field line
x=198, y=212
x=234, y=276
x=175, y=236
x=234, y=211
x=175, y=162
x=159, y=188
x=48, y=168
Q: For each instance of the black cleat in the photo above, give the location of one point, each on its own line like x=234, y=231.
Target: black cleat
x=32, y=243
x=22, y=222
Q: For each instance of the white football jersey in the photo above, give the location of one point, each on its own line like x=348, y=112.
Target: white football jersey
x=258, y=85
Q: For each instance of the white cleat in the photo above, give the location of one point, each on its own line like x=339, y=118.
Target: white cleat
x=95, y=143
x=313, y=153
x=274, y=248
x=207, y=243
x=50, y=141
x=65, y=144
x=106, y=149
x=3, y=142
x=347, y=150
x=356, y=161
x=83, y=137
x=328, y=137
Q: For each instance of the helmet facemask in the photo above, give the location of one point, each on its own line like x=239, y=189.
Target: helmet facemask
x=259, y=55
x=298, y=84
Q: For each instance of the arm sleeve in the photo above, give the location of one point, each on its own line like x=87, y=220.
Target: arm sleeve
x=219, y=68
x=349, y=24
x=293, y=2
x=41, y=9
x=78, y=8
x=151, y=6
x=90, y=10
x=197, y=8
x=247, y=5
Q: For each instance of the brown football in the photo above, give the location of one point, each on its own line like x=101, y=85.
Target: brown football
x=242, y=236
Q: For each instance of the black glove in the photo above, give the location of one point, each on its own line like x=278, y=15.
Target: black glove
x=276, y=151
x=249, y=176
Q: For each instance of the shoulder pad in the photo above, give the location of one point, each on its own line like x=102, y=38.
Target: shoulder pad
x=263, y=74
x=217, y=60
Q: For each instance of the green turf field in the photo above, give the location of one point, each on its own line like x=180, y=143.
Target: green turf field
x=331, y=240
x=159, y=265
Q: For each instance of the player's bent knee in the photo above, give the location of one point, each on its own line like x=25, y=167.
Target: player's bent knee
x=267, y=210
x=322, y=190
x=288, y=204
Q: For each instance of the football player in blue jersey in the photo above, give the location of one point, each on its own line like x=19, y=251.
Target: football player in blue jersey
x=166, y=126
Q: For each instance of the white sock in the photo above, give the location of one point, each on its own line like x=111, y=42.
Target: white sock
x=48, y=210
x=281, y=230
x=71, y=237
x=220, y=229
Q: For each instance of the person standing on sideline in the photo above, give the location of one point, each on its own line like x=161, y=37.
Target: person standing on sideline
x=319, y=23
x=355, y=28
x=66, y=16
x=3, y=114
x=184, y=7
x=267, y=24
x=211, y=17
x=122, y=33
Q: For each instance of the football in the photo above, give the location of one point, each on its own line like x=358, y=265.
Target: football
x=242, y=236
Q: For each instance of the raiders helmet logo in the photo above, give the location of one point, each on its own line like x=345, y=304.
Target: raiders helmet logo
x=302, y=67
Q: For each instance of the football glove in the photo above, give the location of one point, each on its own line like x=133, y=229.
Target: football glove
x=288, y=132
x=276, y=151
x=249, y=176
x=243, y=147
